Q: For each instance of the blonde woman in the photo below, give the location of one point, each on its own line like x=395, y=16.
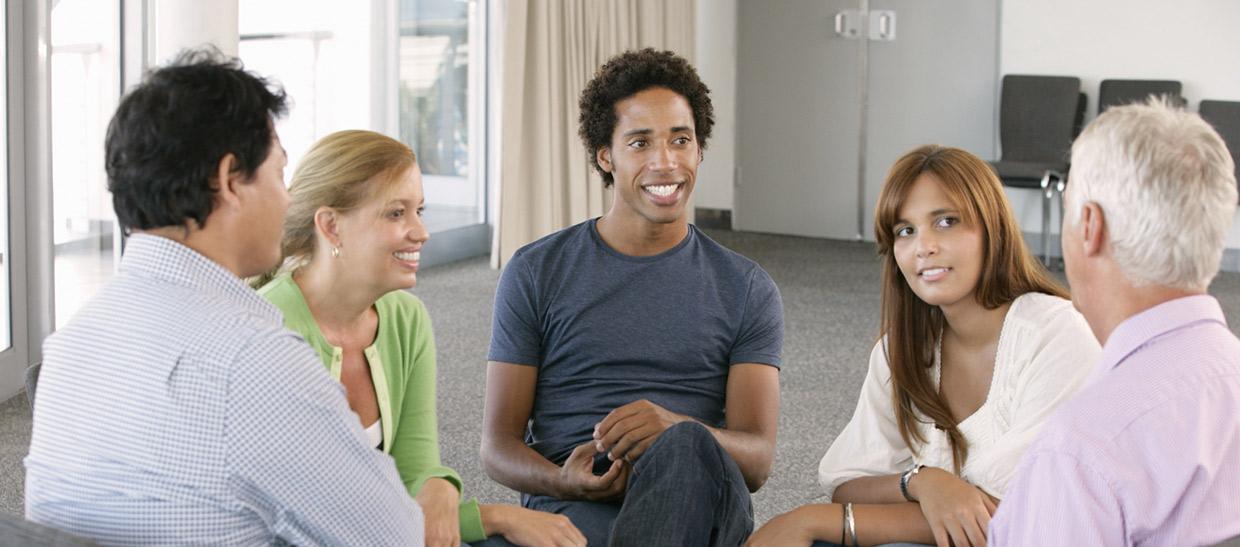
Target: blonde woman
x=979, y=344
x=353, y=237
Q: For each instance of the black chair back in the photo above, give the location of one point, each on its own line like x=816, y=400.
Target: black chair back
x=1078, y=121
x=1037, y=117
x=1225, y=117
x=1118, y=92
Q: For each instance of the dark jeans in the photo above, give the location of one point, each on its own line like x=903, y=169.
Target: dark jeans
x=684, y=491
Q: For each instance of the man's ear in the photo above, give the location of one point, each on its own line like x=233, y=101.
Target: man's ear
x=1093, y=229
x=326, y=222
x=603, y=157
x=227, y=179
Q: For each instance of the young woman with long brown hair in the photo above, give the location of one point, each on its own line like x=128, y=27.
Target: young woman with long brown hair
x=978, y=346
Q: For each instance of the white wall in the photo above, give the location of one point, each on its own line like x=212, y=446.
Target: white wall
x=179, y=24
x=715, y=52
x=1193, y=41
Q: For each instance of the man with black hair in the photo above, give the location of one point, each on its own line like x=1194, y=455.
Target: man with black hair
x=174, y=408
x=619, y=343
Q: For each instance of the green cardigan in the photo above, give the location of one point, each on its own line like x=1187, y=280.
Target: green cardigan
x=402, y=366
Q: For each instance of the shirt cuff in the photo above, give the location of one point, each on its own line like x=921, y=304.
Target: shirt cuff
x=436, y=472
x=470, y=516
x=768, y=359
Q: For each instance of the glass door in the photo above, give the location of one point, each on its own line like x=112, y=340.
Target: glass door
x=442, y=110
x=85, y=81
x=319, y=51
x=6, y=255
x=25, y=238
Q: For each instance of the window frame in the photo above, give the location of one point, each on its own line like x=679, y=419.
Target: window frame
x=27, y=60
x=453, y=244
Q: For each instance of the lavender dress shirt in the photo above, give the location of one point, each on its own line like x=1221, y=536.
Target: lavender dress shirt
x=1148, y=453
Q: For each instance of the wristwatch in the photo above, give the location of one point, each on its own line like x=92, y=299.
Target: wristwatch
x=908, y=476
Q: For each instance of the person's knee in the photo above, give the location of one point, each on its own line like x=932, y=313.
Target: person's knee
x=689, y=444
x=688, y=435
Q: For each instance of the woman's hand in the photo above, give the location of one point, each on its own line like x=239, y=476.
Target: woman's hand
x=439, y=500
x=958, y=512
x=799, y=527
x=530, y=528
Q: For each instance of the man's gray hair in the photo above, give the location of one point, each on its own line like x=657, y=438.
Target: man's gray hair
x=1167, y=189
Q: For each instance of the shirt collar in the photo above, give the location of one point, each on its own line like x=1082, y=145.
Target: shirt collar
x=1142, y=328
x=162, y=258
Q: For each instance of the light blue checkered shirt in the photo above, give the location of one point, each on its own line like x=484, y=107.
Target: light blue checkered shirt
x=175, y=409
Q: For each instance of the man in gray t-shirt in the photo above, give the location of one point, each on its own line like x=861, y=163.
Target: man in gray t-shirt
x=619, y=343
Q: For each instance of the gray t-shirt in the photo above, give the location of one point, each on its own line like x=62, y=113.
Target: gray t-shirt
x=606, y=329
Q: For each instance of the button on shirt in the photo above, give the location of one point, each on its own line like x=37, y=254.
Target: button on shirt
x=174, y=409
x=1148, y=453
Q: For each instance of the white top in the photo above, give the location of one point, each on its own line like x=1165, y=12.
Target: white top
x=374, y=434
x=1046, y=351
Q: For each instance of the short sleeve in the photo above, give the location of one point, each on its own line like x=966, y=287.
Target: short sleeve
x=761, y=336
x=870, y=445
x=515, y=333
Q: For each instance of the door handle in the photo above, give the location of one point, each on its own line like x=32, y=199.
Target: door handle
x=883, y=25
x=848, y=24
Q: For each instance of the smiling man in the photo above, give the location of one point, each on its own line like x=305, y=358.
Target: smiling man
x=619, y=343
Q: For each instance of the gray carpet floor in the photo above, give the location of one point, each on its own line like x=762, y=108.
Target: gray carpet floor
x=830, y=293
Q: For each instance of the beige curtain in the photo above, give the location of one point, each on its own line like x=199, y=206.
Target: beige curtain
x=551, y=50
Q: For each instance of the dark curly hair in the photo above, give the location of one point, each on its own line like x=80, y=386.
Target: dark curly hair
x=628, y=74
x=169, y=134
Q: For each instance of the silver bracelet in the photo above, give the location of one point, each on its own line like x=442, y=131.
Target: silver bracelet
x=843, y=525
x=906, y=477
x=850, y=524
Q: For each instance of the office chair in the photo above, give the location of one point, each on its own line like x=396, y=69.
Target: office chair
x=1038, y=118
x=1118, y=92
x=1225, y=117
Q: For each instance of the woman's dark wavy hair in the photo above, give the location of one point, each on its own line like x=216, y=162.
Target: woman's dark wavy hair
x=169, y=134
x=628, y=74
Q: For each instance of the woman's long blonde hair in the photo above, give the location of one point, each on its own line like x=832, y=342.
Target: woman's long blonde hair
x=911, y=326
x=340, y=171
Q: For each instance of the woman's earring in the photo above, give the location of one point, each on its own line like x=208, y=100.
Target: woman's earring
x=335, y=251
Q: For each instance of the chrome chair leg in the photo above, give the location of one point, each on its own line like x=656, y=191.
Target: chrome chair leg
x=1046, y=218
x=1048, y=197
x=1059, y=187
